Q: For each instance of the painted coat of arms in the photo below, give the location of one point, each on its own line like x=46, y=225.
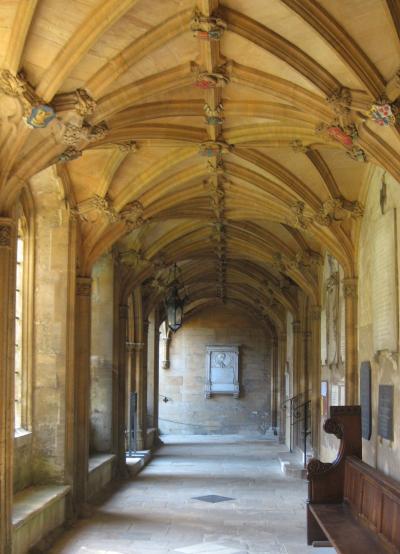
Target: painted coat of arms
x=40, y=116
x=384, y=115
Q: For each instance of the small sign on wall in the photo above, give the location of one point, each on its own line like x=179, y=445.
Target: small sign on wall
x=365, y=398
x=385, y=412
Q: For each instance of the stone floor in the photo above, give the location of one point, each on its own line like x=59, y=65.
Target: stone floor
x=157, y=512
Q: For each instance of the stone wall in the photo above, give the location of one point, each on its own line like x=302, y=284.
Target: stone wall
x=188, y=411
x=101, y=359
x=51, y=313
x=378, y=452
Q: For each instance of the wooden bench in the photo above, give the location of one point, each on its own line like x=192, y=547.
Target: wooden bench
x=352, y=505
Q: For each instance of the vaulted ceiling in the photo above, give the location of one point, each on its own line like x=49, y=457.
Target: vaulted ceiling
x=234, y=138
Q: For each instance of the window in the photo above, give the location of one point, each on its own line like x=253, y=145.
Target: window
x=19, y=317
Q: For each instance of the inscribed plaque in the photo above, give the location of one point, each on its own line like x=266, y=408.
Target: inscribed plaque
x=385, y=412
x=384, y=284
x=222, y=370
x=334, y=395
x=365, y=398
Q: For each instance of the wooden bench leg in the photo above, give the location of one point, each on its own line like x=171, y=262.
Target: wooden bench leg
x=314, y=531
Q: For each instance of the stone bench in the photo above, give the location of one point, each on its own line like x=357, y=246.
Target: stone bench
x=37, y=511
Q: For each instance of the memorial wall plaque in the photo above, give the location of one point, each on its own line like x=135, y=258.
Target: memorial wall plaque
x=385, y=412
x=365, y=398
x=222, y=370
x=384, y=283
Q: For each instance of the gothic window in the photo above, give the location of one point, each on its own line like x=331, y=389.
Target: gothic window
x=19, y=323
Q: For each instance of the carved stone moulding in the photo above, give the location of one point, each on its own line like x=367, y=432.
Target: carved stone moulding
x=350, y=287
x=6, y=227
x=37, y=114
x=298, y=146
x=207, y=28
x=211, y=148
x=73, y=134
x=78, y=100
x=338, y=209
x=299, y=220
x=341, y=101
x=214, y=116
x=68, y=155
x=206, y=80
x=83, y=286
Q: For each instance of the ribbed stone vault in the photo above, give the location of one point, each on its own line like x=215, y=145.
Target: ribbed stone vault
x=232, y=138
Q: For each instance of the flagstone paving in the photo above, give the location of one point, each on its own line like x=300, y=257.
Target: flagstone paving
x=158, y=513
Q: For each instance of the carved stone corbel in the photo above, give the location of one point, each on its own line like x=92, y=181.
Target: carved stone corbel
x=6, y=227
x=37, y=114
x=341, y=101
x=79, y=100
x=350, y=287
x=83, y=286
x=211, y=148
x=298, y=146
x=68, y=155
x=338, y=209
x=214, y=116
x=132, y=215
x=209, y=80
x=207, y=28
x=299, y=219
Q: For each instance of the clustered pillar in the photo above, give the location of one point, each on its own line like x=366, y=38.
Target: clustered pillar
x=350, y=298
x=7, y=277
x=82, y=391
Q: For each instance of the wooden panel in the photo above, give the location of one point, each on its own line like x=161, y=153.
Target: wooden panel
x=371, y=503
x=390, y=528
x=353, y=487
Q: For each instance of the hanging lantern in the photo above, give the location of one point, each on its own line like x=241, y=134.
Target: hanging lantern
x=174, y=306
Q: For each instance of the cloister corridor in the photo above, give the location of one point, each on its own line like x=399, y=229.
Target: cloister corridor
x=156, y=513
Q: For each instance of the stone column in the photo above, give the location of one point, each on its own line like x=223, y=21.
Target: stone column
x=123, y=354
x=7, y=329
x=281, y=353
x=351, y=378
x=297, y=350
x=155, y=371
x=164, y=354
x=315, y=377
x=141, y=389
x=82, y=391
x=275, y=383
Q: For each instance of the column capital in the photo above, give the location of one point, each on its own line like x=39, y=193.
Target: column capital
x=296, y=326
x=134, y=346
x=350, y=285
x=83, y=286
x=6, y=228
x=123, y=311
x=315, y=313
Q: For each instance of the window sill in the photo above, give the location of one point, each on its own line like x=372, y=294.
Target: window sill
x=98, y=460
x=22, y=437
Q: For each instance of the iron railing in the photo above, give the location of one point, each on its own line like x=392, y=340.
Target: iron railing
x=299, y=422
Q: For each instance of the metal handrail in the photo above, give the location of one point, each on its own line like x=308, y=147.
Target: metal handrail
x=298, y=414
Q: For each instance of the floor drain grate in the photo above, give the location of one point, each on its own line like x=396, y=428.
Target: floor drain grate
x=213, y=498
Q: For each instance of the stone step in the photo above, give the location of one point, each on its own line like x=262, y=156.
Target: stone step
x=292, y=464
x=137, y=462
